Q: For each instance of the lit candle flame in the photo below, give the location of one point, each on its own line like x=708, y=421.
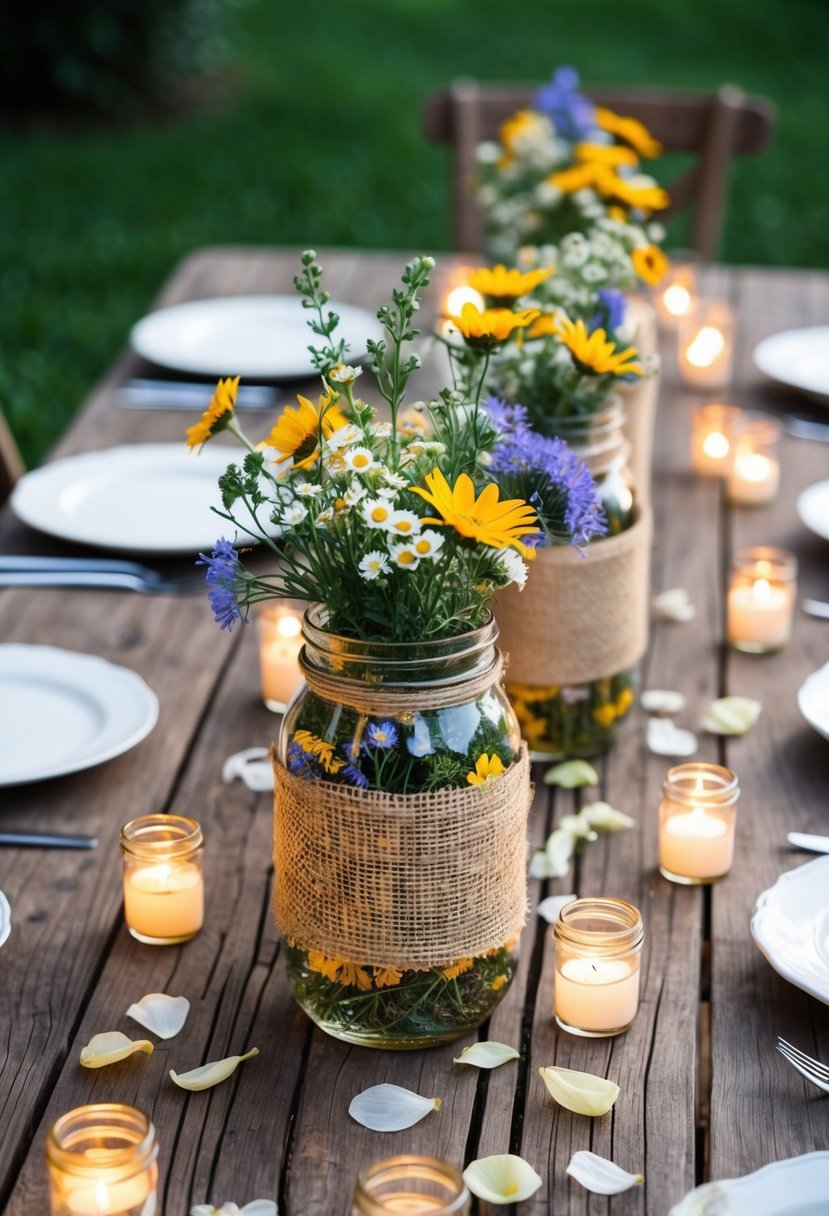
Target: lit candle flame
x=288, y=627
x=751, y=466
x=761, y=589
x=707, y=345
x=677, y=300
x=715, y=445
x=102, y=1197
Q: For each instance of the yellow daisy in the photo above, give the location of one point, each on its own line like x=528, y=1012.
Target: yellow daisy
x=645, y=197
x=578, y=177
x=297, y=432
x=650, y=264
x=605, y=154
x=605, y=715
x=387, y=977
x=458, y=968
x=485, y=767
x=630, y=130
x=354, y=977
x=502, y=285
x=498, y=983
x=217, y=415
x=499, y=524
x=329, y=967
x=595, y=353
x=524, y=122
x=486, y=329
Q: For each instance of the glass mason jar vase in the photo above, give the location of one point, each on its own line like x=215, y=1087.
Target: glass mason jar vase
x=579, y=720
x=403, y=720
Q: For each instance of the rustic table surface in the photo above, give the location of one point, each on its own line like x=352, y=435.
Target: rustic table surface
x=704, y=1094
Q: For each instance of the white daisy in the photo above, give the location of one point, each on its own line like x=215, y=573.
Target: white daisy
x=307, y=489
x=404, y=523
x=514, y=566
x=405, y=557
x=324, y=517
x=373, y=565
x=377, y=513
x=293, y=515
x=342, y=437
x=354, y=494
x=394, y=481
x=360, y=459
x=343, y=374
x=381, y=430
x=429, y=544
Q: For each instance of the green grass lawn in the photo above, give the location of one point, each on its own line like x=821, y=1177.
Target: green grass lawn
x=318, y=142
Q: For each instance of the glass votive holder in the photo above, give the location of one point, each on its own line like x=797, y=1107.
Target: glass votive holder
x=676, y=295
x=279, y=626
x=163, y=881
x=101, y=1161
x=418, y=1186
x=598, y=943
x=761, y=599
x=706, y=345
x=714, y=433
x=697, y=817
x=754, y=476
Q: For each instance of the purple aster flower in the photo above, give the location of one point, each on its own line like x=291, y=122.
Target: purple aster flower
x=570, y=111
x=382, y=734
x=611, y=311
x=222, y=571
x=299, y=762
x=507, y=417
x=353, y=774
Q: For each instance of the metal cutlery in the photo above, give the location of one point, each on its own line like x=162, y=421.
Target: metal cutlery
x=18, y=570
x=188, y=395
x=804, y=428
x=816, y=608
x=811, y=843
x=807, y=1066
x=47, y=840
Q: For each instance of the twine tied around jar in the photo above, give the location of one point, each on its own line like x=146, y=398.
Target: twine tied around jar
x=379, y=699
x=411, y=881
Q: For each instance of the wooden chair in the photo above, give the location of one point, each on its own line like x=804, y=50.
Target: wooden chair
x=11, y=462
x=716, y=127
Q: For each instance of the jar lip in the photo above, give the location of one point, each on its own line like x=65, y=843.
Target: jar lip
x=459, y=645
x=628, y=933
x=161, y=836
x=440, y=1169
x=698, y=781
x=102, y=1119
x=782, y=563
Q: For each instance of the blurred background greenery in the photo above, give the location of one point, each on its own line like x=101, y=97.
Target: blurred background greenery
x=298, y=123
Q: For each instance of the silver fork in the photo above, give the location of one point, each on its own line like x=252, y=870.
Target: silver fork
x=143, y=580
x=808, y=1067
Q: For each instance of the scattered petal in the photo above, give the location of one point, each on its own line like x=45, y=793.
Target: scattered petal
x=257, y=1207
x=550, y=907
x=578, y=827
x=606, y=818
x=501, y=1179
x=662, y=701
x=665, y=739
x=581, y=1092
x=599, y=1175
x=559, y=850
x=211, y=1074
x=540, y=865
x=390, y=1108
x=253, y=766
x=110, y=1047
x=487, y=1055
x=673, y=605
x=571, y=775
x=731, y=715
x=163, y=1015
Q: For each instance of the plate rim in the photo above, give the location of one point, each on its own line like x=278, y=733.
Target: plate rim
x=824, y=734
x=816, y=485
x=759, y=357
x=692, y=1203
x=791, y=974
x=30, y=486
x=127, y=677
x=305, y=369
x=5, y=919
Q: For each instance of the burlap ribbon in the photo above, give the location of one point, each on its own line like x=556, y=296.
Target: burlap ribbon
x=579, y=618
x=411, y=881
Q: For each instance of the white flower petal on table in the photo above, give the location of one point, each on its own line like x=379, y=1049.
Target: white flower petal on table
x=673, y=605
x=731, y=715
x=209, y=1075
x=487, y=1055
x=662, y=701
x=111, y=1046
x=550, y=907
x=606, y=818
x=390, y=1108
x=578, y=827
x=599, y=1175
x=666, y=739
x=163, y=1015
x=571, y=775
x=501, y=1179
x=257, y=1207
x=253, y=766
x=581, y=1092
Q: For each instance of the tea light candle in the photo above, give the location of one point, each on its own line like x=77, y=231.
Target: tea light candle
x=713, y=439
x=676, y=295
x=706, y=340
x=598, y=942
x=696, y=823
x=754, y=477
x=163, y=883
x=761, y=600
x=280, y=641
x=102, y=1162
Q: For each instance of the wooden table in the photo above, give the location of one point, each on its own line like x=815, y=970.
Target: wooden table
x=703, y=1092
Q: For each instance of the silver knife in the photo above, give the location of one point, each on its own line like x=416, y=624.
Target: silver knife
x=187, y=395
x=815, y=608
x=812, y=844
x=803, y=428
x=47, y=840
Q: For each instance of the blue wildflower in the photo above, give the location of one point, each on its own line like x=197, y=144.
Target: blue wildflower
x=611, y=311
x=571, y=113
x=419, y=743
x=221, y=579
x=300, y=762
x=353, y=774
x=383, y=735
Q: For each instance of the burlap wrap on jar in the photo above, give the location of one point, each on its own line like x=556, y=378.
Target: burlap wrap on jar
x=580, y=617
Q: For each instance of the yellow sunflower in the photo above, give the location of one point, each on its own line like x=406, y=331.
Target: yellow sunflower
x=502, y=285
x=644, y=194
x=630, y=130
x=595, y=353
x=578, y=177
x=297, y=431
x=499, y=524
x=218, y=414
x=485, y=767
x=486, y=329
x=605, y=154
x=650, y=264
x=523, y=122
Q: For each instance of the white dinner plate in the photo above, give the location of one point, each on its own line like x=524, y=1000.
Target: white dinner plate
x=813, y=700
x=813, y=508
x=63, y=711
x=790, y=924
x=266, y=336
x=798, y=358
x=798, y=1186
x=5, y=918
x=139, y=498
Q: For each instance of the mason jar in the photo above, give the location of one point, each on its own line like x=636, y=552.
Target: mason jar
x=102, y=1158
x=598, y=944
x=418, y=1185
